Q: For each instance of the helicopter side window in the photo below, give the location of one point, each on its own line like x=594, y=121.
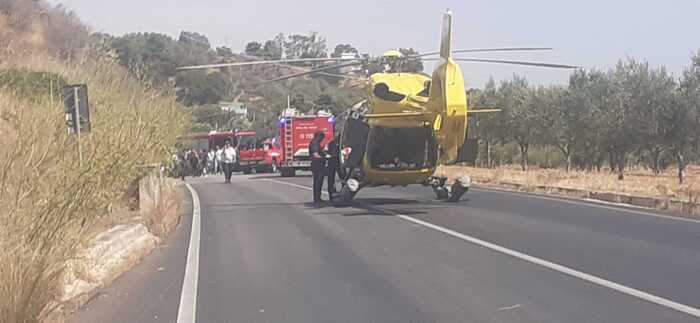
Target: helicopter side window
x=383, y=92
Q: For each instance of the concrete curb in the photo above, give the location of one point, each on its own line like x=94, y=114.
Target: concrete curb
x=108, y=255
x=675, y=206
x=117, y=250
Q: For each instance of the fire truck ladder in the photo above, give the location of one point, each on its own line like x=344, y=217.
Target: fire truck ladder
x=289, y=140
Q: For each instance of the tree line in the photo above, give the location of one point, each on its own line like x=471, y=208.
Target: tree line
x=155, y=58
x=633, y=114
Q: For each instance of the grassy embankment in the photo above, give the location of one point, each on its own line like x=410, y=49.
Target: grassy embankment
x=50, y=202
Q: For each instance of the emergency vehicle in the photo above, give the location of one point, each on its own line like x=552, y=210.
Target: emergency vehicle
x=296, y=132
x=254, y=155
x=209, y=140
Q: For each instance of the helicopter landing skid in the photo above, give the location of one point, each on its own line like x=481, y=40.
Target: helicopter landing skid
x=449, y=193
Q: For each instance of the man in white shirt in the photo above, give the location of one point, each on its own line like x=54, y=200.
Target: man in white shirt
x=228, y=159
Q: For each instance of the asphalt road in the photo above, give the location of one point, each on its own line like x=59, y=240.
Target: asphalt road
x=265, y=255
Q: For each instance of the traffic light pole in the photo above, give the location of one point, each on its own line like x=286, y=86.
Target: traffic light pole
x=76, y=104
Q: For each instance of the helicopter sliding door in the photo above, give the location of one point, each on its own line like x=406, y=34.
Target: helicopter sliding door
x=354, y=139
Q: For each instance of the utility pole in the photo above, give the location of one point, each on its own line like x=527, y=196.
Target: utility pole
x=76, y=104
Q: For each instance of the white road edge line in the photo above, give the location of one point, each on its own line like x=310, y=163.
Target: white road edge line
x=187, y=312
x=590, y=203
x=544, y=263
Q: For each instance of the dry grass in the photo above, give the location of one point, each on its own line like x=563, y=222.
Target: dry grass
x=636, y=182
x=163, y=214
x=50, y=203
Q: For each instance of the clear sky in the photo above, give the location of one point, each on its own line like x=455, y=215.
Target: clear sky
x=591, y=33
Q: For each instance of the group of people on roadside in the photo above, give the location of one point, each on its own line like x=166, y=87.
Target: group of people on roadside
x=203, y=162
x=324, y=164
x=190, y=162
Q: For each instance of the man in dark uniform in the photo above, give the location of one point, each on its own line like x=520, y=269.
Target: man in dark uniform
x=332, y=166
x=317, y=165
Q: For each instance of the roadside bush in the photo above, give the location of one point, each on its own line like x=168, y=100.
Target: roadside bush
x=32, y=85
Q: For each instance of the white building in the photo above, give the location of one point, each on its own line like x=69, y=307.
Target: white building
x=235, y=108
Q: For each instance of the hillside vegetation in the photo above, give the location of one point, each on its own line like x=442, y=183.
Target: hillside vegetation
x=631, y=116
x=50, y=201
x=155, y=57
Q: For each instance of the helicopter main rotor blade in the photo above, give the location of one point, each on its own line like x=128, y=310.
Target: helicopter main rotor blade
x=487, y=50
x=339, y=75
x=322, y=69
x=497, y=61
x=280, y=61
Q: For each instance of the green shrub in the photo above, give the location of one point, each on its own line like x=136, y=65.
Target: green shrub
x=31, y=85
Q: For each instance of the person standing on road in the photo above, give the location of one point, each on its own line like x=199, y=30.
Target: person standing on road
x=228, y=158
x=211, y=162
x=332, y=167
x=182, y=164
x=193, y=161
x=317, y=165
x=219, y=156
x=203, y=163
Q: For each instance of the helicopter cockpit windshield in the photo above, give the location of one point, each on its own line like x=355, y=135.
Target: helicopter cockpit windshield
x=383, y=92
x=397, y=149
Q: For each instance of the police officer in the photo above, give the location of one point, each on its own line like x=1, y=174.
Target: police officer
x=317, y=165
x=332, y=166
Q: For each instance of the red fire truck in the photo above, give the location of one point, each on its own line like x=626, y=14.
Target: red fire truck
x=209, y=140
x=255, y=155
x=296, y=132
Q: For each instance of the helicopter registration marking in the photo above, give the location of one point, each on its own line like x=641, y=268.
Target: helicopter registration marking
x=540, y=262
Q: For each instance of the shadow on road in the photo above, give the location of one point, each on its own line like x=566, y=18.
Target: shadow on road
x=380, y=201
x=375, y=207
x=273, y=176
x=253, y=204
x=232, y=208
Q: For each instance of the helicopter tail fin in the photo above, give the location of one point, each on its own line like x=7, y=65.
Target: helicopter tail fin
x=446, y=39
x=448, y=99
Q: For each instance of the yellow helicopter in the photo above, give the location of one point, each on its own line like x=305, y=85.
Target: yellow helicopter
x=409, y=124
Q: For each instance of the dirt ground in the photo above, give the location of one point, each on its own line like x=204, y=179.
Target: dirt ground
x=637, y=182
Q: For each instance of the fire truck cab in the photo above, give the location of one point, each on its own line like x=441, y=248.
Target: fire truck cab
x=255, y=155
x=296, y=132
